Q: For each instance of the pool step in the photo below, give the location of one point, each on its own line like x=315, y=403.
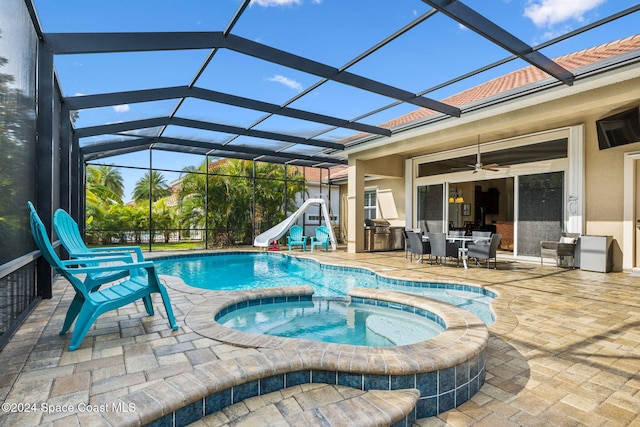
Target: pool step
x=319, y=405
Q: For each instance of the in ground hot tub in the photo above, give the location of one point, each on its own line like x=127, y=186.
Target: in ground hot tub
x=447, y=370
x=336, y=321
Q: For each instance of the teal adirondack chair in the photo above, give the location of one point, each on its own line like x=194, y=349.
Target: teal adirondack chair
x=70, y=237
x=69, y=234
x=295, y=238
x=321, y=238
x=87, y=306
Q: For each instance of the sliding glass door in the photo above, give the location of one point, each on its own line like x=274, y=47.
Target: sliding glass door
x=540, y=210
x=431, y=208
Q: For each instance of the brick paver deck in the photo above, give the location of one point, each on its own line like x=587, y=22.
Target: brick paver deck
x=564, y=351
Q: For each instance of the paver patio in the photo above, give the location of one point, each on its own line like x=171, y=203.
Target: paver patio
x=564, y=351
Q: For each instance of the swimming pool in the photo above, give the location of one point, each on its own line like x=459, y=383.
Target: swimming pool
x=242, y=271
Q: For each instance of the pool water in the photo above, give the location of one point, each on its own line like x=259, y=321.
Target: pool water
x=240, y=271
x=334, y=321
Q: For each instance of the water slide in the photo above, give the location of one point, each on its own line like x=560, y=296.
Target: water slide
x=263, y=240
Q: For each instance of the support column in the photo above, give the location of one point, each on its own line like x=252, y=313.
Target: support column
x=575, y=202
x=409, y=191
x=44, y=156
x=355, y=203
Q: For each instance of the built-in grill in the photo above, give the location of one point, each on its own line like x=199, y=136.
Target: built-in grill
x=377, y=235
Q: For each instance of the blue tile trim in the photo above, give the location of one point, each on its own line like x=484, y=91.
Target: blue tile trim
x=245, y=391
x=271, y=384
x=218, y=401
x=297, y=378
x=352, y=380
x=324, y=377
x=165, y=421
x=440, y=391
x=189, y=414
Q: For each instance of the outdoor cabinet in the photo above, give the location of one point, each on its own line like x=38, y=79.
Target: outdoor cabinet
x=595, y=253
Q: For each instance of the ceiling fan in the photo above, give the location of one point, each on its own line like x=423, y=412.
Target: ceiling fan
x=479, y=166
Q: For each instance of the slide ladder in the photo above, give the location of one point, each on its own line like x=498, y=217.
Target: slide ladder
x=274, y=233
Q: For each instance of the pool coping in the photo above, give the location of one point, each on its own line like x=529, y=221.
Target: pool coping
x=465, y=334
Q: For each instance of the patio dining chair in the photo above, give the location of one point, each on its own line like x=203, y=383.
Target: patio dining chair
x=418, y=246
x=485, y=251
x=407, y=243
x=441, y=248
x=87, y=306
x=321, y=238
x=295, y=238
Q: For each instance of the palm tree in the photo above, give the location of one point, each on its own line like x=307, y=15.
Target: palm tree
x=105, y=183
x=153, y=183
x=230, y=196
x=112, y=179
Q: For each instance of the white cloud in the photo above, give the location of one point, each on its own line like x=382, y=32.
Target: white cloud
x=121, y=108
x=275, y=3
x=286, y=81
x=546, y=13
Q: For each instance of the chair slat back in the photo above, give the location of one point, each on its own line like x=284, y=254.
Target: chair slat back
x=295, y=233
x=322, y=234
x=41, y=239
x=68, y=232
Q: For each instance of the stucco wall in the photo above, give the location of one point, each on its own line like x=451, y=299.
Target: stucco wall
x=604, y=190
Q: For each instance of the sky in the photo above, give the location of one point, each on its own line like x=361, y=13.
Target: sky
x=332, y=32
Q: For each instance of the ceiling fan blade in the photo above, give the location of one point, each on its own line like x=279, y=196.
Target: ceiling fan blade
x=494, y=166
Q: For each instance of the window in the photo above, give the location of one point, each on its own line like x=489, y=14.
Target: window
x=370, y=204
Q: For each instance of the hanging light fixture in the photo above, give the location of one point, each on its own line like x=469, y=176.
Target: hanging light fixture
x=456, y=197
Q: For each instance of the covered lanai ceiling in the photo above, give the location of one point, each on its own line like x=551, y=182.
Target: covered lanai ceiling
x=232, y=82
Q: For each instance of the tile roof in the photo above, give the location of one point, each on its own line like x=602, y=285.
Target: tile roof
x=319, y=174
x=525, y=76
x=339, y=173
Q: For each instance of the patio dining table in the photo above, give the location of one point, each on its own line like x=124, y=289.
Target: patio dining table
x=462, y=250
